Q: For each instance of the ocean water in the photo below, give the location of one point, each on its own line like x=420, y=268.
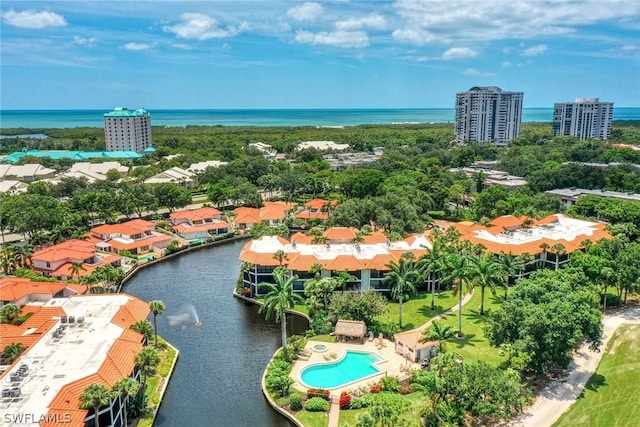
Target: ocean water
x=34, y=119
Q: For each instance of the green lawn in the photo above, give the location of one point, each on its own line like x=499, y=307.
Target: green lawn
x=313, y=419
x=474, y=345
x=610, y=397
x=410, y=419
x=417, y=311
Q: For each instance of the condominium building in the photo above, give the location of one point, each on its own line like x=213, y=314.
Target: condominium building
x=71, y=343
x=127, y=130
x=587, y=118
x=488, y=114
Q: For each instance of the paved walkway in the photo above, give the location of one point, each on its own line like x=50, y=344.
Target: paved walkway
x=334, y=411
x=559, y=395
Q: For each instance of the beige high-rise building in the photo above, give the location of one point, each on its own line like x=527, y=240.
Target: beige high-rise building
x=488, y=114
x=587, y=118
x=127, y=130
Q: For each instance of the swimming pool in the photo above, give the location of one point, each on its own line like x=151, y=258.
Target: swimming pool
x=354, y=366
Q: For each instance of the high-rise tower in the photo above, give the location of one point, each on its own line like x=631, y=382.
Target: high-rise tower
x=586, y=118
x=127, y=130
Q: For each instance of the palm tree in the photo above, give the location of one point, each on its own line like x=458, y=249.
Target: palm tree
x=280, y=256
x=144, y=328
x=147, y=360
x=430, y=265
x=157, y=307
x=457, y=266
x=279, y=298
x=8, y=260
x=95, y=396
x=126, y=387
x=401, y=279
x=12, y=351
x=606, y=275
x=23, y=255
x=76, y=268
x=509, y=266
x=9, y=313
x=485, y=271
x=559, y=250
x=438, y=332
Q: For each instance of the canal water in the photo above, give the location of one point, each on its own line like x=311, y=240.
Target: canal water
x=217, y=378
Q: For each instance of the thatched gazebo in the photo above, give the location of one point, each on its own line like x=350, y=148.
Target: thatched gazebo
x=350, y=329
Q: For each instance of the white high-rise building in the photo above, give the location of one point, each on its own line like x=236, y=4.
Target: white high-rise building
x=127, y=130
x=587, y=118
x=488, y=114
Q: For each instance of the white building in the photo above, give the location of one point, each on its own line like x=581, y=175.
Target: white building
x=175, y=175
x=587, y=118
x=322, y=145
x=71, y=343
x=570, y=196
x=488, y=114
x=127, y=130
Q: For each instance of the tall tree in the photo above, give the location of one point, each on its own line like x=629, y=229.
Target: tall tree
x=9, y=312
x=95, y=396
x=279, y=298
x=126, y=387
x=485, y=271
x=76, y=268
x=401, y=279
x=147, y=360
x=144, y=328
x=157, y=307
x=280, y=256
x=439, y=332
x=457, y=268
x=430, y=266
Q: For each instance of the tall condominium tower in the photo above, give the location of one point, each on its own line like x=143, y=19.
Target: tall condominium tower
x=488, y=114
x=127, y=130
x=586, y=118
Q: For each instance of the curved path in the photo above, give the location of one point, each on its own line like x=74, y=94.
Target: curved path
x=559, y=395
x=334, y=411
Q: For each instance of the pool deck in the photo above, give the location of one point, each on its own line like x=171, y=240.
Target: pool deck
x=391, y=366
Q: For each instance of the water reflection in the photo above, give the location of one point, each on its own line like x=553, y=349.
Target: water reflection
x=217, y=379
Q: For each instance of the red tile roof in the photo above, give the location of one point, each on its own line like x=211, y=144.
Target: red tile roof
x=196, y=214
x=71, y=250
x=15, y=288
x=134, y=226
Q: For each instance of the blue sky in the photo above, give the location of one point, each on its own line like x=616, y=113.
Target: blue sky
x=329, y=54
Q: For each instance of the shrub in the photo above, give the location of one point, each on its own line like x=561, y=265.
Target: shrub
x=390, y=384
x=345, y=400
x=358, y=403
x=318, y=392
x=376, y=388
x=295, y=401
x=317, y=404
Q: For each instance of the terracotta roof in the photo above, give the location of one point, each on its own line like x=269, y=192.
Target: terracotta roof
x=312, y=215
x=188, y=228
x=340, y=233
x=412, y=339
x=507, y=221
x=66, y=269
x=317, y=204
x=246, y=215
x=373, y=238
x=15, y=288
x=302, y=262
x=138, y=243
x=134, y=226
x=131, y=312
x=196, y=214
x=71, y=250
x=275, y=210
x=301, y=238
x=380, y=261
x=344, y=262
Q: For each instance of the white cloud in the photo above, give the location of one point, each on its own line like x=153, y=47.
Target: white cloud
x=137, y=46
x=459, y=21
x=416, y=36
x=199, y=26
x=629, y=47
x=474, y=72
x=308, y=11
x=506, y=64
x=91, y=41
x=373, y=21
x=538, y=49
x=459, y=52
x=32, y=19
x=346, y=39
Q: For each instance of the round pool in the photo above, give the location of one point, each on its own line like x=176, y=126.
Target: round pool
x=319, y=348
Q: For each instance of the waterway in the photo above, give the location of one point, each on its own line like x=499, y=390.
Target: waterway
x=217, y=379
